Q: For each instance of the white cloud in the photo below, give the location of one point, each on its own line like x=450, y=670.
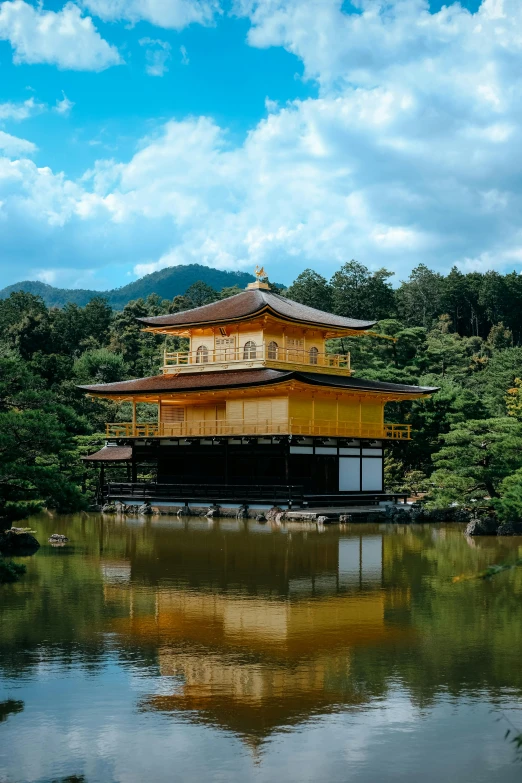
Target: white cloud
x=64, y=106
x=64, y=277
x=157, y=55
x=12, y=146
x=48, y=276
x=410, y=153
x=20, y=111
x=184, y=55
x=173, y=14
x=64, y=38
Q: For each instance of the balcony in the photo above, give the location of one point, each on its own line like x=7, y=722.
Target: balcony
x=256, y=356
x=243, y=427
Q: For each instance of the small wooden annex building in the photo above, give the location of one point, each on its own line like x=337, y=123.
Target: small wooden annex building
x=257, y=410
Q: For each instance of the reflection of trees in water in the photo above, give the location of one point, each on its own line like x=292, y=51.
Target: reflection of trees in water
x=111, y=586
x=10, y=707
x=468, y=633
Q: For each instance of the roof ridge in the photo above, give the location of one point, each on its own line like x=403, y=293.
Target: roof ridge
x=208, y=304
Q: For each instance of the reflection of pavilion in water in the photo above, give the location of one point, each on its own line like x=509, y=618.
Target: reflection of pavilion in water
x=257, y=630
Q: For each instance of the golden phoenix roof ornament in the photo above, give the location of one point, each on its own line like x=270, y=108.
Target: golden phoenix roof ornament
x=259, y=281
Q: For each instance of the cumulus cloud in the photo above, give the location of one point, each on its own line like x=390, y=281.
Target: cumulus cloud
x=12, y=146
x=409, y=153
x=174, y=14
x=64, y=38
x=20, y=111
x=63, y=106
x=157, y=55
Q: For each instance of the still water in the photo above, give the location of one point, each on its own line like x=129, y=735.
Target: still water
x=187, y=650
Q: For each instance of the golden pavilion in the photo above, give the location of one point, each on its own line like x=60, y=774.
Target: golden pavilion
x=256, y=411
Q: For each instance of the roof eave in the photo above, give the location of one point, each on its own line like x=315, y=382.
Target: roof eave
x=97, y=392
x=412, y=392
x=261, y=311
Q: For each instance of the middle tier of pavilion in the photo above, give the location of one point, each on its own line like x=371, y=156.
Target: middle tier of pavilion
x=255, y=402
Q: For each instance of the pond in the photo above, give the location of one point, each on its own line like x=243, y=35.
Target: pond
x=187, y=650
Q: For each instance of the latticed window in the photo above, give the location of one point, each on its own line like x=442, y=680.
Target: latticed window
x=272, y=349
x=202, y=354
x=249, y=350
x=295, y=349
x=171, y=414
x=314, y=354
x=225, y=347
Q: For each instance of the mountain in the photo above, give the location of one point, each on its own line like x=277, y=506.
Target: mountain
x=167, y=283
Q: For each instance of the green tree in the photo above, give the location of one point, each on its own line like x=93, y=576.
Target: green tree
x=475, y=458
x=33, y=333
x=420, y=298
x=514, y=400
x=16, y=306
x=461, y=300
x=79, y=328
x=498, y=375
x=509, y=505
x=98, y=316
x=37, y=445
x=432, y=418
x=200, y=293
x=359, y=293
x=312, y=289
x=179, y=304
x=499, y=338
x=446, y=352
x=141, y=350
x=100, y=366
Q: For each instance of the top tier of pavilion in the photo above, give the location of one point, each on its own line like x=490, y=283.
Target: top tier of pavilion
x=256, y=328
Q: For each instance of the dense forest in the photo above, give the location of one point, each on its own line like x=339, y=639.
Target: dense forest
x=460, y=332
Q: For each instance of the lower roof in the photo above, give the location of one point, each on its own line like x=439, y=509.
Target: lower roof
x=237, y=379
x=111, y=454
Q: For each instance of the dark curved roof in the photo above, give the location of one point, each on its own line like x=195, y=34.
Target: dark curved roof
x=252, y=302
x=111, y=454
x=186, y=382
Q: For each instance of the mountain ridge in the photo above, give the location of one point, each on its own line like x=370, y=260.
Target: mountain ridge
x=167, y=283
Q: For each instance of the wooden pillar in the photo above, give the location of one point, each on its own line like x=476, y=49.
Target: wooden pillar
x=134, y=470
x=226, y=462
x=133, y=416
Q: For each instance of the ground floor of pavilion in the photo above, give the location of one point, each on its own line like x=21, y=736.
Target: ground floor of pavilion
x=276, y=469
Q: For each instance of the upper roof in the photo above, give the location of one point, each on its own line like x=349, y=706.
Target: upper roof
x=244, y=378
x=252, y=302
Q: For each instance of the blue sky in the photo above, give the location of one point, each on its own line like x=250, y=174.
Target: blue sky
x=137, y=134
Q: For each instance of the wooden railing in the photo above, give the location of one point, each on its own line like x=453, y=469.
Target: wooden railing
x=244, y=427
x=275, y=355
x=235, y=493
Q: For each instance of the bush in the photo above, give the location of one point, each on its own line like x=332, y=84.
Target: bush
x=509, y=505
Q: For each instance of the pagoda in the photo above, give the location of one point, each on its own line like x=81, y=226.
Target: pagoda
x=257, y=410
